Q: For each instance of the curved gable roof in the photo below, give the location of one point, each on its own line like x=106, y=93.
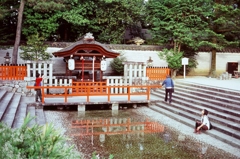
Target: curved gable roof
x=86, y=46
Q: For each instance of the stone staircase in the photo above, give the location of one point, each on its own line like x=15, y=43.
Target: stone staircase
x=14, y=108
x=188, y=101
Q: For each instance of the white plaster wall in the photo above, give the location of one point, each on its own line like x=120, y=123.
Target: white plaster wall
x=222, y=59
x=143, y=56
x=203, y=58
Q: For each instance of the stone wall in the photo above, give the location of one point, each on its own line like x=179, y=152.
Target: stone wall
x=17, y=86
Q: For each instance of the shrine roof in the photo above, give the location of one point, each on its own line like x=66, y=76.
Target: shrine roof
x=86, y=48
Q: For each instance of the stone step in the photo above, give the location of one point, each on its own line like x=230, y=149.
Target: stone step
x=14, y=108
x=5, y=101
x=205, y=90
x=21, y=112
x=11, y=110
x=32, y=111
x=190, y=99
x=208, y=87
x=229, y=108
x=2, y=93
x=40, y=116
x=191, y=123
x=222, y=118
x=228, y=98
x=224, y=128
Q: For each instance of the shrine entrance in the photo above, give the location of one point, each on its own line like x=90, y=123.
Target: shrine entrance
x=88, y=56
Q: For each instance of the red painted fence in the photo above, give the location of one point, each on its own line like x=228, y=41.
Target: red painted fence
x=157, y=73
x=13, y=72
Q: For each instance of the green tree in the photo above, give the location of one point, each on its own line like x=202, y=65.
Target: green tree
x=180, y=23
x=18, y=31
x=223, y=28
x=115, y=16
x=195, y=23
x=3, y=9
x=8, y=20
x=117, y=64
x=42, y=4
x=35, y=49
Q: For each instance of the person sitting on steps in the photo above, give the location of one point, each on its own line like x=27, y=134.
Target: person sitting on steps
x=204, y=124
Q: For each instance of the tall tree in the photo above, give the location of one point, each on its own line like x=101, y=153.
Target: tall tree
x=37, y=5
x=18, y=32
x=3, y=9
x=114, y=17
x=224, y=28
x=8, y=20
x=178, y=21
x=196, y=23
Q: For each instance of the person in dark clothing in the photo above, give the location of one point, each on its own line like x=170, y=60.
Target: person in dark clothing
x=38, y=91
x=169, y=87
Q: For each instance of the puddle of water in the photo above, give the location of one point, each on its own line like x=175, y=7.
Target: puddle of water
x=128, y=135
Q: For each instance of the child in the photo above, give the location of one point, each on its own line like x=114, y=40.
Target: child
x=38, y=91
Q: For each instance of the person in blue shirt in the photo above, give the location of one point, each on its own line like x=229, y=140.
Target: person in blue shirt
x=169, y=88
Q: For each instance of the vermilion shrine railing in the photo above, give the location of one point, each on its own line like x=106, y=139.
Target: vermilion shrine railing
x=96, y=90
x=13, y=72
x=86, y=127
x=80, y=89
x=157, y=73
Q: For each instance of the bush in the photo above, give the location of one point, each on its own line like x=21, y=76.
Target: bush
x=34, y=142
x=117, y=64
x=174, y=59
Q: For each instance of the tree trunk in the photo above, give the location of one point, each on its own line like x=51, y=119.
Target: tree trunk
x=18, y=32
x=173, y=73
x=212, y=72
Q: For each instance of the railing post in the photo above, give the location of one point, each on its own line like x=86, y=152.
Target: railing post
x=129, y=90
x=42, y=90
x=148, y=92
x=88, y=92
x=108, y=92
x=65, y=94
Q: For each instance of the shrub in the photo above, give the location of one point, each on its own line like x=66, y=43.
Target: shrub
x=34, y=142
x=117, y=64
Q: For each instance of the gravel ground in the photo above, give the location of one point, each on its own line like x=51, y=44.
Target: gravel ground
x=61, y=122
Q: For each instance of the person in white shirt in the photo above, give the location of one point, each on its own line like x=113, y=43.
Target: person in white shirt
x=204, y=124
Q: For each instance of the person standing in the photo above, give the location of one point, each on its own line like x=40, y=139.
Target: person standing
x=169, y=88
x=38, y=91
x=204, y=124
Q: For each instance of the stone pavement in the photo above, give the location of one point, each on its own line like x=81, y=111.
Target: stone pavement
x=232, y=84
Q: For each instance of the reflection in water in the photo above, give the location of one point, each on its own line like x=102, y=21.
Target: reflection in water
x=128, y=135
x=114, y=126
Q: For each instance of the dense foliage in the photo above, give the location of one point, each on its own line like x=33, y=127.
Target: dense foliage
x=68, y=20
x=34, y=142
x=203, y=23
x=213, y=24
